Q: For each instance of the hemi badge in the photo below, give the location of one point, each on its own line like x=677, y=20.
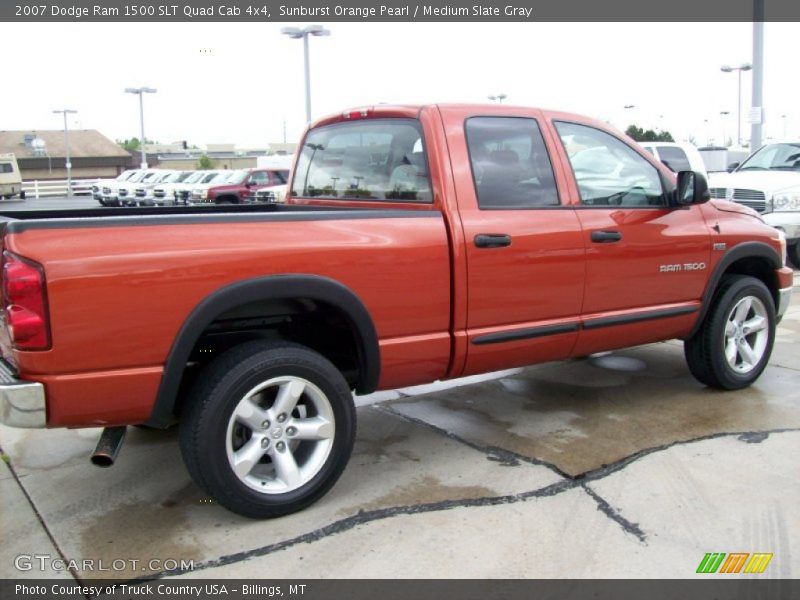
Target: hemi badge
x=720, y=245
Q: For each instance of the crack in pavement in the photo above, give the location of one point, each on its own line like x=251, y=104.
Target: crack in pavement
x=609, y=511
x=506, y=458
x=72, y=571
x=365, y=517
x=492, y=453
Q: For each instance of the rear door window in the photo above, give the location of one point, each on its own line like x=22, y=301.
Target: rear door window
x=375, y=159
x=510, y=164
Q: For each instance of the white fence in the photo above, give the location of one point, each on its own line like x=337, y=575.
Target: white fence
x=57, y=187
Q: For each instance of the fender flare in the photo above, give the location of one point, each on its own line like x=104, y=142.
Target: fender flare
x=738, y=252
x=274, y=287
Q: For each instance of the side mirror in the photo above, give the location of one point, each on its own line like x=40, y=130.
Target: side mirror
x=692, y=188
x=733, y=166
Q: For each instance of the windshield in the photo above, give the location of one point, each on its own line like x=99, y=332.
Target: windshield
x=209, y=176
x=774, y=157
x=125, y=175
x=176, y=177
x=150, y=177
x=236, y=177
x=137, y=177
x=162, y=177
x=195, y=176
x=220, y=177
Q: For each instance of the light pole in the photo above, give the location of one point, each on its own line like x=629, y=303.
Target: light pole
x=67, y=162
x=723, y=114
x=739, y=69
x=499, y=98
x=296, y=33
x=141, y=91
x=630, y=107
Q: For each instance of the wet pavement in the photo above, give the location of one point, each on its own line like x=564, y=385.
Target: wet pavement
x=619, y=465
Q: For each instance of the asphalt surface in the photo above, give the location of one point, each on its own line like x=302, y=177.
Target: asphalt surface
x=620, y=465
x=48, y=203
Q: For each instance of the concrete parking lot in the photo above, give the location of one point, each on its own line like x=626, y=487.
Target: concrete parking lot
x=620, y=465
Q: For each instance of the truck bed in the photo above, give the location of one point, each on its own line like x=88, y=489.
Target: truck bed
x=128, y=211
x=121, y=283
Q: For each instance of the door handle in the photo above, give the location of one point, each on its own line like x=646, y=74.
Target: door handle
x=492, y=240
x=605, y=237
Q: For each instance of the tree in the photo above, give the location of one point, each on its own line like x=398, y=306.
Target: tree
x=133, y=144
x=642, y=135
x=205, y=162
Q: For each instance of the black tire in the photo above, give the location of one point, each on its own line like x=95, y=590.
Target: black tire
x=793, y=254
x=705, y=351
x=209, y=431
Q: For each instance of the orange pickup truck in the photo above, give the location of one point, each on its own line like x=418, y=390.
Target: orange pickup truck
x=417, y=244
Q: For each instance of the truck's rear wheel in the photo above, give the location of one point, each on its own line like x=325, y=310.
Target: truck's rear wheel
x=269, y=428
x=733, y=345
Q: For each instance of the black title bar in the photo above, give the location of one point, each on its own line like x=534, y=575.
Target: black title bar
x=400, y=11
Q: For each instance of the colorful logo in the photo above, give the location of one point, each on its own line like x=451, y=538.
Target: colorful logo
x=736, y=562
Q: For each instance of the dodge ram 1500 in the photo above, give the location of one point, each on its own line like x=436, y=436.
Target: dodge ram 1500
x=416, y=244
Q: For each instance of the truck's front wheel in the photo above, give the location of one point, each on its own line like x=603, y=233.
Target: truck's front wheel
x=733, y=345
x=269, y=428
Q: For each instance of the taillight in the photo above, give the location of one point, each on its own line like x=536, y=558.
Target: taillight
x=25, y=303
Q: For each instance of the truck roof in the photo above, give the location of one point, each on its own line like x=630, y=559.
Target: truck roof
x=412, y=111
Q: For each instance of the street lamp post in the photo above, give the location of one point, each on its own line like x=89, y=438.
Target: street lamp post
x=67, y=161
x=499, y=98
x=723, y=114
x=141, y=91
x=739, y=69
x=630, y=107
x=296, y=33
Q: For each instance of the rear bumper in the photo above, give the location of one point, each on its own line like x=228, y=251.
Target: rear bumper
x=22, y=403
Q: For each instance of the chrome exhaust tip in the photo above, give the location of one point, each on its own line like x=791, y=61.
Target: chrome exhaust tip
x=105, y=453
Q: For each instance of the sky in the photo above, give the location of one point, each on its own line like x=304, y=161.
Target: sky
x=240, y=82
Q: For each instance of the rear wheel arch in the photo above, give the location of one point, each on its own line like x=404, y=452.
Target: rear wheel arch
x=271, y=288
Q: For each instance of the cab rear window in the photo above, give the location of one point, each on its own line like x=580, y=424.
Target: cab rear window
x=376, y=159
x=6, y=168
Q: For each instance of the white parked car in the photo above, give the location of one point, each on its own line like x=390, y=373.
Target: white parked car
x=105, y=190
x=126, y=190
x=10, y=178
x=166, y=192
x=200, y=191
x=271, y=194
x=769, y=182
x=677, y=156
x=143, y=193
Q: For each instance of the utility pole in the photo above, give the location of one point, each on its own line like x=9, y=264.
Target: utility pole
x=757, y=111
